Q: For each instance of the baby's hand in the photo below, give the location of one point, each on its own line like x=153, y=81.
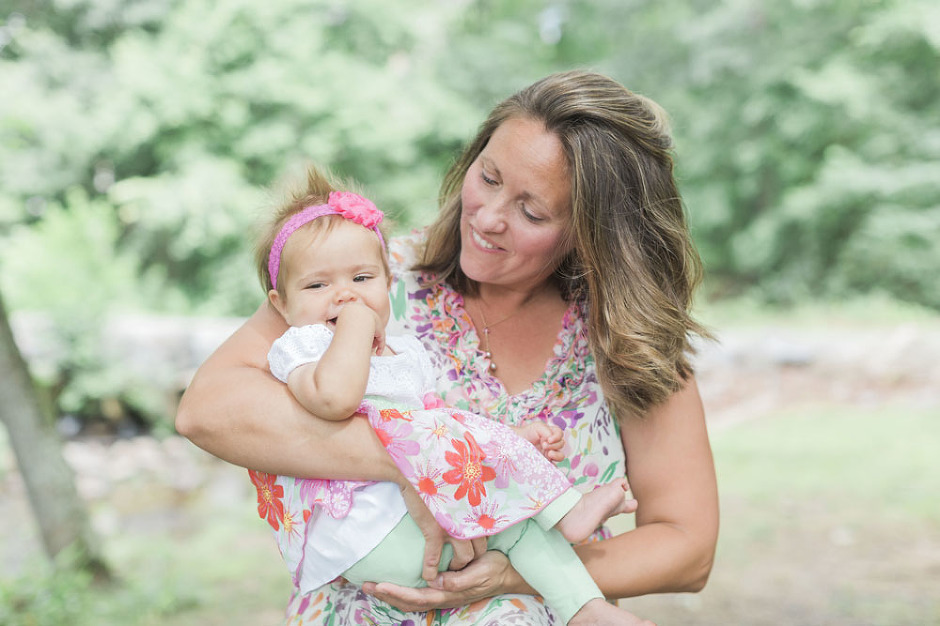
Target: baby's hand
x=366, y=318
x=548, y=438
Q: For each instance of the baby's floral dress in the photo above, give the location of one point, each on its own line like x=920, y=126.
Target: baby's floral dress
x=454, y=459
x=568, y=394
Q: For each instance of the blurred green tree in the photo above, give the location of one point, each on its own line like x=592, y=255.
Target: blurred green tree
x=808, y=151
x=50, y=485
x=179, y=113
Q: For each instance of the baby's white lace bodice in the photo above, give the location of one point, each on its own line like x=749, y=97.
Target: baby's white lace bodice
x=404, y=377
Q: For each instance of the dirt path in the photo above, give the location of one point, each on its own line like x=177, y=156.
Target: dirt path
x=752, y=372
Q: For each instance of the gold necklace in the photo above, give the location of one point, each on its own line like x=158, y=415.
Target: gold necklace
x=486, y=333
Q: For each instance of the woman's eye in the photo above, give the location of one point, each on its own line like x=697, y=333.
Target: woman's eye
x=487, y=179
x=530, y=216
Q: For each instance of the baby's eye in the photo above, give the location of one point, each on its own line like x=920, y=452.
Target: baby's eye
x=316, y=286
x=361, y=278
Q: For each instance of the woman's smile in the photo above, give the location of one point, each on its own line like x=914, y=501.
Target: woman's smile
x=480, y=241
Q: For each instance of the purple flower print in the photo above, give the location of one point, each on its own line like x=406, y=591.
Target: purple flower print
x=394, y=436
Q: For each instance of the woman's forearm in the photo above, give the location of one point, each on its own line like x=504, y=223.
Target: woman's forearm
x=656, y=558
x=237, y=411
x=672, y=476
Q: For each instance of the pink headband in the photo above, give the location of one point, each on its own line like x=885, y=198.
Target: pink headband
x=349, y=205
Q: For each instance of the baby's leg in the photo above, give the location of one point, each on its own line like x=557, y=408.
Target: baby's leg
x=397, y=559
x=593, y=509
x=549, y=563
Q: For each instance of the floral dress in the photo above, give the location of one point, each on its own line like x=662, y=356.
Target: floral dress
x=568, y=394
x=476, y=475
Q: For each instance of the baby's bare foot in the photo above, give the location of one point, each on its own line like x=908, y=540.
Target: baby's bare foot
x=598, y=612
x=593, y=509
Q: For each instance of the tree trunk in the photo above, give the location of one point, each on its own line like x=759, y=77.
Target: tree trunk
x=50, y=483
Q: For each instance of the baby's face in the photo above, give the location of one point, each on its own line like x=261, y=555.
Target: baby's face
x=323, y=270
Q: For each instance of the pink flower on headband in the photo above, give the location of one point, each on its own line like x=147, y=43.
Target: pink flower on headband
x=355, y=208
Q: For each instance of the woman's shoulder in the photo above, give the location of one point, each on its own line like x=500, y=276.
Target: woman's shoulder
x=404, y=252
x=416, y=297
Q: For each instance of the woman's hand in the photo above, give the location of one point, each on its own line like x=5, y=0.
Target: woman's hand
x=435, y=537
x=489, y=575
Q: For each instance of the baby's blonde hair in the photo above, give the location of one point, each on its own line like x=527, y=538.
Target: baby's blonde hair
x=297, y=195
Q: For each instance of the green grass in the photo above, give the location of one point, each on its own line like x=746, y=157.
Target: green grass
x=829, y=516
x=843, y=457
x=228, y=572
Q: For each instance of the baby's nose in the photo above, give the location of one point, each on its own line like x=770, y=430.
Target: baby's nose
x=345, y=295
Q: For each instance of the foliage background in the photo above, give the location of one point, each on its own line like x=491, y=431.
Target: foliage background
x=138, y=139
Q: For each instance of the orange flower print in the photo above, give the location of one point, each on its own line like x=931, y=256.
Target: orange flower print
x=291, y=527
x=428, y=481
x=486, y=518
x=469, y=473
x=426, y=485
x=270, y=503
x=388, y=415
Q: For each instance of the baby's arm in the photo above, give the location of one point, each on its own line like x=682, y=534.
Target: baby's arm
x=548, y=438
x=332, y=388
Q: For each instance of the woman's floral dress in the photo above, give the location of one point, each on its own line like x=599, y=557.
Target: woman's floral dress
x=568, y=395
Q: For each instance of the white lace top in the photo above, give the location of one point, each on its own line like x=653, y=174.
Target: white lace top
x=402, y=378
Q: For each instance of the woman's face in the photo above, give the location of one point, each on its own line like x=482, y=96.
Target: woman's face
x=516, y=207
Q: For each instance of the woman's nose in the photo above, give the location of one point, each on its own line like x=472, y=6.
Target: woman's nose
x=491, y=215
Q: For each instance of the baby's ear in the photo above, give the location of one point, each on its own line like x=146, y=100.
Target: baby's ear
x=276, y=301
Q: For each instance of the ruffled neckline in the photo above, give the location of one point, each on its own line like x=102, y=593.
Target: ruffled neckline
x=566, y=366
x=565, y=370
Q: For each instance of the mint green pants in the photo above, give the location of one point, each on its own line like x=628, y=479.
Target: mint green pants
x=542, y=556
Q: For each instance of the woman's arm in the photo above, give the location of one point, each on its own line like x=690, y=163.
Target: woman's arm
x=236, y=410
x=672, y=475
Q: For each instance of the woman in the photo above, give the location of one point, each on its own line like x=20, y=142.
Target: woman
x=555, y=284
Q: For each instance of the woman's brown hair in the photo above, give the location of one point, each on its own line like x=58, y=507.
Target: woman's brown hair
x=632, y=261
